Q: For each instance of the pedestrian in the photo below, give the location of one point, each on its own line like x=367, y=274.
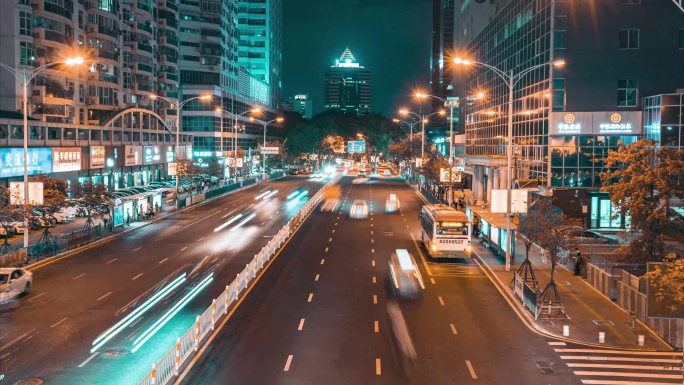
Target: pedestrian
x=104, y=221
x=578, y=261
x=542, y=251
x=156, y=208
x=140, y=212
x=128, y=217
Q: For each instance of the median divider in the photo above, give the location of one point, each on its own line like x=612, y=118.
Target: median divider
x=185, y=347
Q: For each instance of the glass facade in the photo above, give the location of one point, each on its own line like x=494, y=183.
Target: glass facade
x=664, y=119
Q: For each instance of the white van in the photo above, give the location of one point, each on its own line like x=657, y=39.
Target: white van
x=405, y=276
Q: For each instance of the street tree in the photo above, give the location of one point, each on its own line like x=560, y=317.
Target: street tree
x=9, y=214
x=54, y=200
x=533, y=226
x=668, y=282
x=554, y=239
x=94, y=198
x=641, y=181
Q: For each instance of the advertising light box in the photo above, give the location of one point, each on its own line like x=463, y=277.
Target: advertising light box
x=152, y=154
x=97, y=157
x=66, y=159
x=356, y=146
x=132, y=155
x=39, y=161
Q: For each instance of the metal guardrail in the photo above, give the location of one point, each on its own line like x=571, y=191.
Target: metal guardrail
x=57, y=245
x=169, y=366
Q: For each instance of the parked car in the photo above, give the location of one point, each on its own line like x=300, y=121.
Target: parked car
x=359, y=209
x=14, y=282
x=387, y=173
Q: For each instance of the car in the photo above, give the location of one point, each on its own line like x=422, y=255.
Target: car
x=14, y=282
x=63, y=216
x=359, y=209
x=392, y=204
x=387, y=173
x=294, y=172
x=362, y=172
x=10, y=229
x=578, y=235
x=405, y=278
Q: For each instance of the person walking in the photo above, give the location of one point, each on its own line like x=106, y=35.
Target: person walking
x=156, y=208
x=578, y=261
x=542, y=251
x=128, y=217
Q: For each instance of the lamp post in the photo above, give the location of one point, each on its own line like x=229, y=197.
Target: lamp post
x=235, y=119
x=178, y=106
x=450, y=104
x=24, y=76
x=423, y=119
x=511, y=79
x=265, y=124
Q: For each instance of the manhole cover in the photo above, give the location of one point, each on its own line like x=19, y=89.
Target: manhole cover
x=31, y=381
x=116, y=353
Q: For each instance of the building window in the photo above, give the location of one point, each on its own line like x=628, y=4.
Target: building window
x=628, y=93
x=25, y=23
x=681, y=38
x=628, y=39
x=26, y=52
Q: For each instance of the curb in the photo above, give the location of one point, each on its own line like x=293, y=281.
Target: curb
x=69, y=253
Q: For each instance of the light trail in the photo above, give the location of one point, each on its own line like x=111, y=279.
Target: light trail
x=243, y=222
x=231, y=220
x=262, y=195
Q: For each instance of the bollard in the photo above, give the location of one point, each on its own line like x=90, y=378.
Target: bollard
x=197, y=332
x=237, y=286
x=176, y=367
x=602, y=337
x=154, y=375
x=641, y=340
x=227, y=299
x=213, y=314
x=566, y=330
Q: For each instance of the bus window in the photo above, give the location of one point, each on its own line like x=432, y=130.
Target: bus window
x=452, y=228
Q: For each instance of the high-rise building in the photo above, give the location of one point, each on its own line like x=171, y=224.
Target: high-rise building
x=300, y=104
x=260, y=44
x=347, y=86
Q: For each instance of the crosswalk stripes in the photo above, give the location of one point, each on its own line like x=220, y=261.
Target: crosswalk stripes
x=622, y=367
x=455, y=270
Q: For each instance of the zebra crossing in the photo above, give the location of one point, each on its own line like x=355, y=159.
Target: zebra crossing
x=621, y=367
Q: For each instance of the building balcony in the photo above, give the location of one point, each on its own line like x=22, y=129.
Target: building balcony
x=172, y=41
x=143, y=87
x=53, y=8
x=166, y=59
x=95, y=76
x=111, y=55
x=147, y=27
x=144, y=67
x=54, y=36
x=41, y=92
x=94, y=28
x=143, y=47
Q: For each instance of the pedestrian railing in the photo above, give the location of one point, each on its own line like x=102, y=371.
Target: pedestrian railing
x=169, y=366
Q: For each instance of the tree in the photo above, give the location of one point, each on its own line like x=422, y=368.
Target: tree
x=641, y=183
x=94, y=198
x=669, y=282
x=553, y=238
x=9, y=214
x=54, y=200
x=532, y=226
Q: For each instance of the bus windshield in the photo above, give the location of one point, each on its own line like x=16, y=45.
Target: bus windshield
x=452, y=228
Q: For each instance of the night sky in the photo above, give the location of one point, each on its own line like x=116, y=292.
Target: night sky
x=389, y=37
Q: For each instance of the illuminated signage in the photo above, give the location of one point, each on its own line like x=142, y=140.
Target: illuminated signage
x=66, y=159
x=12, y=161
x=133, y=155
x=203, y=154
x=356, y=146
x=152, y=154
x=595, y=123
x=97, y=157
x=170, y=155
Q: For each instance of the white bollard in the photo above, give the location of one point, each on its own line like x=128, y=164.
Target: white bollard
x=641, y=340
x=602, y=337
x=566, y=330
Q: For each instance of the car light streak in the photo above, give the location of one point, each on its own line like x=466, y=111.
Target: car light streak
x=292, y=194
x=231, y=220
x=140, y=341
x=119, y=326
x=263, y=194
x=243, y=222
x=272, y=193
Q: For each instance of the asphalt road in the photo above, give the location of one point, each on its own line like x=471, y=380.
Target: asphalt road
x=49, y=333
x=318, y=315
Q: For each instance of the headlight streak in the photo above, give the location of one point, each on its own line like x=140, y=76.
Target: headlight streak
x=262, y=195
x=233, y=219
x=243, y=222
x=292, y=194
x=272, y=193
x=119, y=326
x=140, y=341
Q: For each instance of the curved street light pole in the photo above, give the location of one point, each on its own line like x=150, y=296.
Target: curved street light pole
x=265, y=124
x=450, y=104
x=511, y=79
x=25, y=76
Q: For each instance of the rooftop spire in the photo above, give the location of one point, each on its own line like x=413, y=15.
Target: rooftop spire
x=347, y=55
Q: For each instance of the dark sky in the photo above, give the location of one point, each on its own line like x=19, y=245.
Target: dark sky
x=389, y=37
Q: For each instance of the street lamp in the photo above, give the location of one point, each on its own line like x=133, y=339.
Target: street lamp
x=24, y=76
x=450, y=104
x=265, y=124
x=178, y=106
x=423, y=119
x=235, y=119
x=511, y=80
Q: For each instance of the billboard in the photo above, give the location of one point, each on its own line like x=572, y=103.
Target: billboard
x=12, y=161
x=97, y=157
x=35, y=193
x=595, y=123
x=152, y=154
x=170, y=155
x=66, y=159
x=132, y=155
x=454, y=176
x=173, y=167
x=356, y=146
x=270, y=150
x=518, y=201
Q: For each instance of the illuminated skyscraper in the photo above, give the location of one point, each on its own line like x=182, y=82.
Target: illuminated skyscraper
x=348, y=86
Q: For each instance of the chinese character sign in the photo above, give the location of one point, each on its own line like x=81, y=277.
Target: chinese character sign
x=12, y=161
x=66, y=159
x=356, y=146
x=97, y=156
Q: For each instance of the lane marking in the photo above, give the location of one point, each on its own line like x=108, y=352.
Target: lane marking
x=75, y=278
x=611, y=382
x=59, y=322
x=183, y=249
x=373, y=263
x=378, y=370
x=36, y=296
x=301, y=324
x=111, y=261
x=335, y=223
x=88, y=360
x=559, y=343
x=316, y=279
x=422, y=257
x=375, y=299
x=326, y=249
x=377, y=326
x=372, y=240
x=615, y=366
x=163, y=260
x=104, y=296
x=322, y=261
x=372, y=250
x=199, y=240
x=373, y=279
x=625, y=359
x=137, y=248
x=333, y=231
x=371, y=232
x=433, y=281
x=622, y=374
x=330, y=240
x=471, y=370
x=137, y=276
x=310, y=297
x=453, y=329
x=288, y=363
x=441, y=301
x=616, y=352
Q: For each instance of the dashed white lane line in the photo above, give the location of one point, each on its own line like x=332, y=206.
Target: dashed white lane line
x=113, y=260
x=441, y=301
x=453, y=329
x=432, y=280
x=378, y=369
x=184, y=248
x=288, y=363
x=163, y=260
x=335, y=223
x=373, y=263
x=310, y=297
x=323, y=261
x=557, y=343
x=316, y=279
x=471, y=370
x=377, y=326
x=333, y=231
x=371, y=225
x=137, y=248
x=301, y=324
x=262, y=223
x=136, y=277
x=200, y=240
x=373, y=279
x=372, y=250
x=375, y=299
x=34, y=297
x=372, y=240
x=104, y=296
x=79, y=276
x=329, y=239
x=371, y=232
x=326, y=249
x=59, y=322
x=88, y=360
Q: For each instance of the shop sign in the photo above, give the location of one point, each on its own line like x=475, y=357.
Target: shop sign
x=203, y=154
x=66, y=159
x=596, y=123
x=133, y=155
x=35, y=194
x=170, y=156
x=356, y=146
x=152, y=154
x=12, y=161
x=97, y=157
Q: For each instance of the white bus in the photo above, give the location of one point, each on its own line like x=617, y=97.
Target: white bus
x=446, y=232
